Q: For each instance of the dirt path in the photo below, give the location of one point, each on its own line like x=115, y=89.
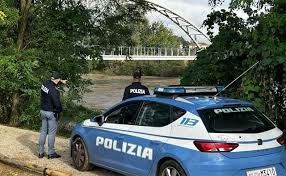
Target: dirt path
x=21, y=145
x=106, y=91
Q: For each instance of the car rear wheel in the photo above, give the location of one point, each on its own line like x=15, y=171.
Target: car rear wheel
x=171, y=168
x=80, y=155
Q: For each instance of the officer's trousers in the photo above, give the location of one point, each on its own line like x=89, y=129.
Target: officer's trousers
x=49, y=128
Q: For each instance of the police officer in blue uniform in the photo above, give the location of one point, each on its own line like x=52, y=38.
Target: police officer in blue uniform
x=136, y=88
x=50, y=109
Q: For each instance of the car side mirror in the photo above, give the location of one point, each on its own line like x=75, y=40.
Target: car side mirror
x=99, y=119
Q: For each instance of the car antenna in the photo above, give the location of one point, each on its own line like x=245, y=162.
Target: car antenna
x=236, y=79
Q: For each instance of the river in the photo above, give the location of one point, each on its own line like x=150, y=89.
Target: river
x=106, y=91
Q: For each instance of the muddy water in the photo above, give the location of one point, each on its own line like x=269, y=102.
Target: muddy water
x=10, y=171
x=106, y=91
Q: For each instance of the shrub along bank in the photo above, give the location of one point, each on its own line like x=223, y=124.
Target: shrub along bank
x=149, y=68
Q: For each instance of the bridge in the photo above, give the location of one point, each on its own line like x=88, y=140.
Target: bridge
x=149, y=53
x=157, y=53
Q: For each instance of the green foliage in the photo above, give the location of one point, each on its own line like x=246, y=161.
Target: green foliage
x=61, y=33
x=150, y=68
x=58, y=35
x=242, y=4
x=238, y=46
x=213, y=65
x=147, y=35
x=72, y=114
x=17, y=76
x=55, y=39
x=116, y=23
x=8, y=23
x=138, y=32
x=154, y=35
x=30, y=116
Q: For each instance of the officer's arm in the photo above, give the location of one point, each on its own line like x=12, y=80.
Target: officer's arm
x=56, y=100
x=147, y=91
x=125, y=95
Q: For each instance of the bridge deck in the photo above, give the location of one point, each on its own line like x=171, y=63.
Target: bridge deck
x=142, y=58
x=148, y=53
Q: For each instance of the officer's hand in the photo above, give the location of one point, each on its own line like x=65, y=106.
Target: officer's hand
x=64, y=81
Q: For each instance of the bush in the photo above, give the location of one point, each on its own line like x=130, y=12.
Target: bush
x=72, y=114
x=149, y=68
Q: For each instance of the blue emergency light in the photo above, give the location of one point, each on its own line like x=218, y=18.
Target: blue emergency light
x=188, y=90
x=169, y=90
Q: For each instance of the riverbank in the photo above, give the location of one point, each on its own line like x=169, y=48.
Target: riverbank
x=6, y=170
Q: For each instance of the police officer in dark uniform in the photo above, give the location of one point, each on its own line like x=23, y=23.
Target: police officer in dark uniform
x=136, y=88
x=50, y=109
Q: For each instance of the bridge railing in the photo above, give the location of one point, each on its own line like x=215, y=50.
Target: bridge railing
x=149, y=51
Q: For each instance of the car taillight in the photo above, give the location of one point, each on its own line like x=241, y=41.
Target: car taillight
x=281, y=140
x=215, y=146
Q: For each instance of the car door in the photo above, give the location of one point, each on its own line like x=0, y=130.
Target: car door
x=147, y=137
x=110, y=135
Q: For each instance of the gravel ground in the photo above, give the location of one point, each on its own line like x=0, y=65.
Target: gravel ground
x=21, y=145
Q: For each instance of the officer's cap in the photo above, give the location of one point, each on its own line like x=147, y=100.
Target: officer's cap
x=55, y=75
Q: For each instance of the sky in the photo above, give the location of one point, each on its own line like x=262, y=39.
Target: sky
x=195, y=11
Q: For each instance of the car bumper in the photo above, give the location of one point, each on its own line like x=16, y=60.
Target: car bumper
x=215, y=164
x=239, y=166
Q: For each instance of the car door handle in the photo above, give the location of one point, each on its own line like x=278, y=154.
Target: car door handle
x=156, y=142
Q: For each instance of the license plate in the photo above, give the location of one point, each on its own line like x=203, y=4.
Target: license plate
x=271, y=171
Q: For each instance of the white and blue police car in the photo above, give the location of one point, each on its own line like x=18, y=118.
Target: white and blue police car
x=181, y=131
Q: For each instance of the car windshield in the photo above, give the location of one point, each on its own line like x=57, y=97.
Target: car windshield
x=235, y=120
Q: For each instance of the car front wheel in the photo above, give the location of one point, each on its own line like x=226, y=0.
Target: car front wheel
x=80, y=155
x=171, y=168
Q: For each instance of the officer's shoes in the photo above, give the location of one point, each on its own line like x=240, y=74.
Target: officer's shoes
x=41, y=155
x=54, y=155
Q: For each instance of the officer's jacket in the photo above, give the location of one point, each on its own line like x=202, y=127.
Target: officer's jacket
x=50, y=97
x=134, y=90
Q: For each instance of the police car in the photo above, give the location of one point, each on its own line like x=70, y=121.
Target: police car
x=181, y=131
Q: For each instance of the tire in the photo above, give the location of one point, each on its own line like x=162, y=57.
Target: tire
x=80, y=155
x=171, y=168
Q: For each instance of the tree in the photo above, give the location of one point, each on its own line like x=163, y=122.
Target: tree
x=40, y=36
x=227, y=47
x=153, y=35
x=9, y=22
x=25, y=10
x=116, y=24
x=239, y=44
x=34, y=46
x=242, y=4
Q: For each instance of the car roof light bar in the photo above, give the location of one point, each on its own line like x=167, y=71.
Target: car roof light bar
x=187, y=90
x=169, y=90
x=201, y=89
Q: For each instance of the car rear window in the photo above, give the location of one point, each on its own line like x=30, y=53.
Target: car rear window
x=235, y=120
